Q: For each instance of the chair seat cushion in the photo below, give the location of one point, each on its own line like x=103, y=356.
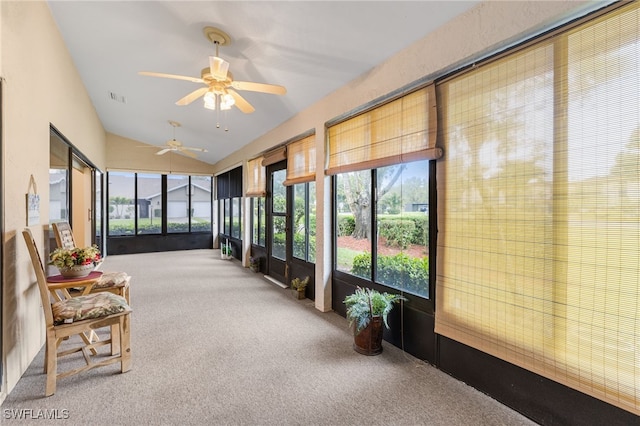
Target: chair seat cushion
x=112, y=279
x=95, y=305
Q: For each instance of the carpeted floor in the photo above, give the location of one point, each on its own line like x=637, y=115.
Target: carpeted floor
x=215, y=344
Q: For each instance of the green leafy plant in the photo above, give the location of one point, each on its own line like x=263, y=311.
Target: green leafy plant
x=226, y=249
x=365, y=303
x=298, y=284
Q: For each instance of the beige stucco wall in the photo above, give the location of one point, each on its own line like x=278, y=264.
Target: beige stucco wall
x=128, y=154
x=41, y=87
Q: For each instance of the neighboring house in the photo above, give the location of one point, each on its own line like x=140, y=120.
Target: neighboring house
x=150, y=196
x=177, y=202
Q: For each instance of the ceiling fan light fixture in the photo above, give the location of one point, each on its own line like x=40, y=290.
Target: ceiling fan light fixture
x=210, y=100
x=226, y=101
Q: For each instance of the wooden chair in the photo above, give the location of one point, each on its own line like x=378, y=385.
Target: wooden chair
x=76, y=316
x=114, y=282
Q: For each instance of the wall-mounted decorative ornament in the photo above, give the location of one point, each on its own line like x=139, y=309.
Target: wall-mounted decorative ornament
x=33, y=203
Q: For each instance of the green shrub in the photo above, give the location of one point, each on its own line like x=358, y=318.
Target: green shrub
x=177, y=227
x=346, y=225
x=418, y=235
x=121, y=229
x=299, y=246
x=398, y=271
x=398, y=233
x=362, y=265
x=200, y=226
x=149, y=229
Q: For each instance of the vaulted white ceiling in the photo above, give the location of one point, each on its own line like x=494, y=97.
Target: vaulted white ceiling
x=312, y=48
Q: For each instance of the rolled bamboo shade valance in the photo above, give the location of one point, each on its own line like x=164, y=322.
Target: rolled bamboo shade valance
x=256, y=178
x=275, y=156
x=301, y=161
x=400, y=131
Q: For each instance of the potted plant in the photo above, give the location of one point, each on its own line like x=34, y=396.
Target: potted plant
x=254, y=263
x=226, y=250
x=367, y=311
x=298, y=286
x=76, y=262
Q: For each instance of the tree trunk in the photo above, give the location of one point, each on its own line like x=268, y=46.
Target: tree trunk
x=362, y=215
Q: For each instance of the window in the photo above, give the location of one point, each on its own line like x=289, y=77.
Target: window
x=381, y=162
x=353, y=220
x=58, y=180
x=236, y=218
x=138, y=204
x=229, y=194
x=201, y=203
x=98, y=210
x=539, y=225
x=149, y=203
x=304, y=221
x=402, y=224
x=301, y=174
x=397, y=254
x=278, y=215
x=258, y=220
x=226, y=214
x=122, y=193
x=256, y=178
x=178, y=209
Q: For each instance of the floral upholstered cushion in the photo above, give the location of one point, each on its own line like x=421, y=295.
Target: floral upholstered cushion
x=112, y=279
x=95, y=305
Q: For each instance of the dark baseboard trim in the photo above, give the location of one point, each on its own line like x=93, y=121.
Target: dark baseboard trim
x=536, y=397
x=157, y=243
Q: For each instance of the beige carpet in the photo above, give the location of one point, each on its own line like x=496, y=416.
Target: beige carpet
x=216, y=344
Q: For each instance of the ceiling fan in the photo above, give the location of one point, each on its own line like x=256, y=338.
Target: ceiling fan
x=176, y=146
x=219, y=84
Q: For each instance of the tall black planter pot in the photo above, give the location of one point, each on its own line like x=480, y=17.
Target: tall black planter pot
x=369, y=340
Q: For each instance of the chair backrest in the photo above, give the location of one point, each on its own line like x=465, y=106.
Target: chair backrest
x=36, y=261
x=64, y=235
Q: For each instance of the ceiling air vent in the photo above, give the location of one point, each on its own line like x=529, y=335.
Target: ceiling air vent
x=117, y=98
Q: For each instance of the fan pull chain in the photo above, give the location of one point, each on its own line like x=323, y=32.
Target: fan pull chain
x=217, y=112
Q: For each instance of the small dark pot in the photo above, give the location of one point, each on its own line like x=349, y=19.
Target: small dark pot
x=254, y=264
x=369, y=340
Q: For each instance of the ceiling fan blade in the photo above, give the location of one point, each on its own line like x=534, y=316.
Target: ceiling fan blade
x=194, y=149
x=241, y=102
x=163, y=151
x=174, y=76
x=187, y=153
x=259, y=87
x=192, y=96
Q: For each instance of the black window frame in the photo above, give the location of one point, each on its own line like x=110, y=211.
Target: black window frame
x=164, y=189
x=229, y=187
x=417, y=302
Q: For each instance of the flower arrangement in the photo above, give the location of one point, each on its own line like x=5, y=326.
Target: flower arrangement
x=65, y=258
